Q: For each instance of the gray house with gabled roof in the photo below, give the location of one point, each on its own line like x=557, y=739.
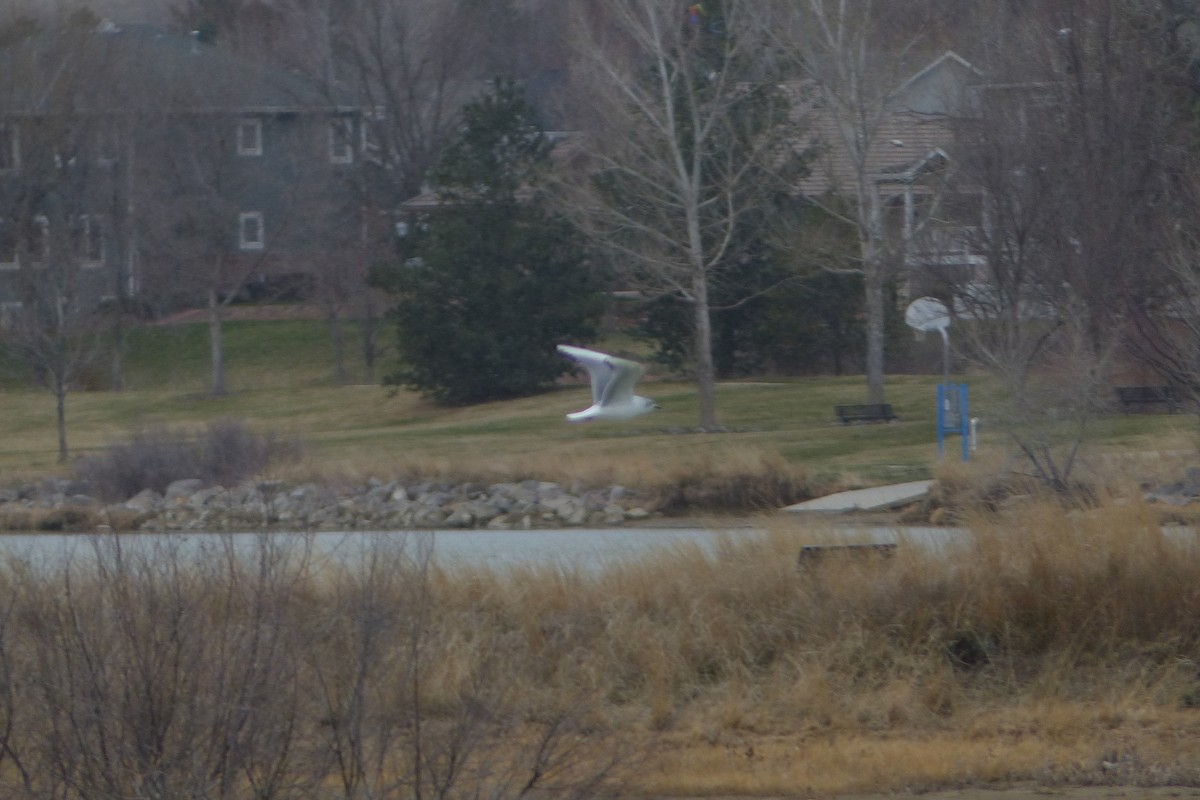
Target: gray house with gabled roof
x=145, y=162
x=907, y=147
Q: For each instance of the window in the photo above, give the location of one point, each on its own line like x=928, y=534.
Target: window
x=10, y=313
x=10, y=148
x=250, y=231
x=8, y=244
x=39, y=240
x=249, y=137
x=371, y=148
x=89, y=240
x=341, y=140
x=106, y=146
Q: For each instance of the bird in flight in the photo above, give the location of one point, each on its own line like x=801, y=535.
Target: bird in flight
x=612, y=386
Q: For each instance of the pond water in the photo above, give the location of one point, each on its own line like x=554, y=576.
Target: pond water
x=583, y=549
x=576, y=548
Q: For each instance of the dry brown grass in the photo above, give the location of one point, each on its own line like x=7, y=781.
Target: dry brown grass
x=1051, y=743
x=732, y=478
x=69, y=519
x=1055, y=645
x=1058, y=641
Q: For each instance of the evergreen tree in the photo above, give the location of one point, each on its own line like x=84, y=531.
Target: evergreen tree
x=495, y=279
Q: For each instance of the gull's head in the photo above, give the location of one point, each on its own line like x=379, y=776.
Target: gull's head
x=646, y=404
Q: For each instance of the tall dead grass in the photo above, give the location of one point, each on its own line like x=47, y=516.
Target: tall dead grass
x=1043, y=613
x=1073, y=635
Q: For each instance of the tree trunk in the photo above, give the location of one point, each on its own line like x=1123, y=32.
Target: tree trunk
x=60, y=401
x=705, y=374
x=338, y=340
x=874, y=282
x=120, y=335
x=370, y=341
x=874, y=300
x=216, y=344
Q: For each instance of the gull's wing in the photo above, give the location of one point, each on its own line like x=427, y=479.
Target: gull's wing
x=598, y=365
x=620, y=387
x=612, y=378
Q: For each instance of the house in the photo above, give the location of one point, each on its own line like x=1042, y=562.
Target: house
x=906, y=144
x=134, y=161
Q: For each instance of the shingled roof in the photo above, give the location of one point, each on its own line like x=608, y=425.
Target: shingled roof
x=915, y=128
x=139, y=67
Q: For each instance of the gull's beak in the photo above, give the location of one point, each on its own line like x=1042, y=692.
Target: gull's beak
x=657, y=406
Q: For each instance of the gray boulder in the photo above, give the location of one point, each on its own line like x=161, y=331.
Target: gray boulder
x=178, y=492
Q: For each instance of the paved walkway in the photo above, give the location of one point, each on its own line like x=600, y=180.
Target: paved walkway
x=877, y=498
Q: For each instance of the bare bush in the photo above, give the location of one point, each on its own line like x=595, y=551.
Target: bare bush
x=163, y=668
x=733, y=484
x=230, y=452
x=160, y=672
x=225, y=453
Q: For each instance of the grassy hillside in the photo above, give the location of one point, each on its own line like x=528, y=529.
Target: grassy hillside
x=280, y=376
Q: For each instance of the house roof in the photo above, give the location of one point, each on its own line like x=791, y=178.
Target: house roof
x=901, y=144
x=139, y=67
x=937, y=88
x=914, y=129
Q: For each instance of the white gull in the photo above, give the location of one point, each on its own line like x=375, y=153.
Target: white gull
x=612, y=386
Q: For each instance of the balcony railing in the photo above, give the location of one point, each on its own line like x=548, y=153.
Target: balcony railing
x=943, y=245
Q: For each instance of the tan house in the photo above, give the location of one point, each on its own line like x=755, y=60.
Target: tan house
x=906, y=146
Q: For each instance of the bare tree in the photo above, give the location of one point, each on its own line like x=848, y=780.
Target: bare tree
x=411, y=63
x=245, y=178
x=414, y=709
x=1163, y=307
x=13, y=662
x=851, y=57
x=162, y=670
x=197, y=235
x=234, y=670
x=57, y=194
x=55, y=331
x=1164, y=315
x=338, y=256
x=686, y=141
x=1071, y=151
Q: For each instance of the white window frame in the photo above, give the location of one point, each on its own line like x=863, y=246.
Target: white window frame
x=39, y=247
x=10, y=135
x=14, y=263
x=341, y=140
x=253, y=127
x=107, y=146
x=9, y=311
x=91, y=230
x=256, y=217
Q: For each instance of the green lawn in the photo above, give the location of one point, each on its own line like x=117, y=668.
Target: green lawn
x=280, y=376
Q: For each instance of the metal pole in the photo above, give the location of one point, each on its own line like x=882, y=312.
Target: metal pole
x=945, y=356
x=942, y=389
x=964, y=431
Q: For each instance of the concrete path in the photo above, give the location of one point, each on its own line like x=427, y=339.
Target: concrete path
x=877, y=498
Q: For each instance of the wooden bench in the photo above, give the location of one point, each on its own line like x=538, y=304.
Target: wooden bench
x=1131, y=397
x=813, y=553
x=867, y=412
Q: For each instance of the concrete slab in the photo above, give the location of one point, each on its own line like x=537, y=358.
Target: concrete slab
x=876, y=498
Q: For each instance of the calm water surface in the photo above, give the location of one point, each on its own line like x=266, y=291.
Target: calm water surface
x=586, y=549
x=582, y=549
